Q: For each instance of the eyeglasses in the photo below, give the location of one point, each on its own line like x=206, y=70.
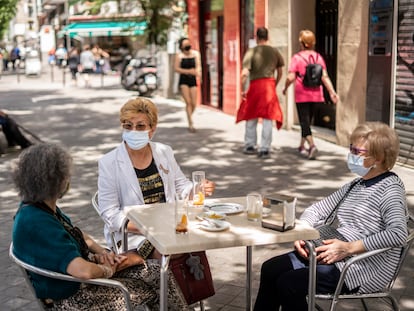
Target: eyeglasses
x=357, y=151
x=130, y=126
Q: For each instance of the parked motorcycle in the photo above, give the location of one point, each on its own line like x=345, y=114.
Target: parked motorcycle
x=139, y=74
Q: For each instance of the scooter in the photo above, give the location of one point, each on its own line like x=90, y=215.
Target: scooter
x=139, y=74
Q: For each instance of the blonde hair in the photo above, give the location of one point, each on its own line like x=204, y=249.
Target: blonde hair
x=307, y=38
x=139, y=105
x=381, y=141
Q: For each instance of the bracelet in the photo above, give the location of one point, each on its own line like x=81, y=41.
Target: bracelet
x=107, y=272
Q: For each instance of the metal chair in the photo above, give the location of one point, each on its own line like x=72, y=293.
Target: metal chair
x=385, y=293
x=25, y=267
x=115, y=246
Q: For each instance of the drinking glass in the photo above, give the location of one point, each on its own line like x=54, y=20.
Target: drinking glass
x=199, y=178
x=181, y=214
x=254, y=206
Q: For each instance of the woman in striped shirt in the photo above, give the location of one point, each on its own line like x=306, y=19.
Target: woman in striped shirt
x=373, y=215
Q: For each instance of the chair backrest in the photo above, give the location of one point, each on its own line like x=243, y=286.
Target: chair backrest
x=55, y=275
x=404, y=252
x=116, y=248
x=124, y=232
x=26, y=276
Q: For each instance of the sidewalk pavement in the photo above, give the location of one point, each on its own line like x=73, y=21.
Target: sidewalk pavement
x=86, y=121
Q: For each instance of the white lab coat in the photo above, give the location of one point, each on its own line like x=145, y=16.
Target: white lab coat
x=118, y=186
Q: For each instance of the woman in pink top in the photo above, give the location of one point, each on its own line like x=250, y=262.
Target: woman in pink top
x=307, y=97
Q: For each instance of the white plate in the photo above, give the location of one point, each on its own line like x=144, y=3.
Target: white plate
x=224, y=225
x=225, y=208
x=213, y=215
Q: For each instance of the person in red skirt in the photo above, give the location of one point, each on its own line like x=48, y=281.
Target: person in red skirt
x=260, y=101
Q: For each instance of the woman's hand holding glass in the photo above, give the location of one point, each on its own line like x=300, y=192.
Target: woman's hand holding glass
x=209, y=187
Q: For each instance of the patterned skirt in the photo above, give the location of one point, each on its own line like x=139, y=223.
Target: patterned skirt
x=143, y=283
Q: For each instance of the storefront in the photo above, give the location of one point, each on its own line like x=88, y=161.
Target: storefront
x=373, y=82
x=223, y=29
x=404, y=90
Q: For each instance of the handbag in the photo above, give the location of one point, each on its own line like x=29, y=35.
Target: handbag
x=193, y=275
x=327, y=230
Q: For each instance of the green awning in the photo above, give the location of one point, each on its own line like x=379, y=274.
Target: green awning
x=104, y=29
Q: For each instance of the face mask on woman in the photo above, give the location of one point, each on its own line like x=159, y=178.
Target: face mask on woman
x=356, y=164
x=136, y=140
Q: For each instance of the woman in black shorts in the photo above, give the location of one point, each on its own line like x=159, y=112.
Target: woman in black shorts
x=188, y=65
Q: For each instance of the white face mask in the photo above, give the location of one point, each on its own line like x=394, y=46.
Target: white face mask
x=356, y=164
x=136, y=140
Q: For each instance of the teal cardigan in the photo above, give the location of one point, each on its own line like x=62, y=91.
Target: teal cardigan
x=41, y=240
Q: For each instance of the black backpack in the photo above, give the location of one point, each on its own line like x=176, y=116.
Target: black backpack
x=313, y=74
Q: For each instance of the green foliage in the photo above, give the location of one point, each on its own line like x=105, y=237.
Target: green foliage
x=158, y=20
x=7, y=12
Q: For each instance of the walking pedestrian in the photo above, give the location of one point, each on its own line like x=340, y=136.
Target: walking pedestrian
x=73, y=62
x=87, y=63
x=61, y=55
x=15, y=57
x=260, y=101
x=308, y=97
x=188, y=65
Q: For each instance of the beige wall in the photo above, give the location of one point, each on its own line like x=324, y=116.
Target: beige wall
x=285, y=19
x=352, y=66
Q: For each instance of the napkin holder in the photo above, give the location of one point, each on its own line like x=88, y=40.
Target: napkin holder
x=282, y=212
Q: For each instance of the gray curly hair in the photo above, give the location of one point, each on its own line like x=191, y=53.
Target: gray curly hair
x=41, y=172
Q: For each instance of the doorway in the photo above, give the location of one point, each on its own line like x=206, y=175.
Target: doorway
x=211, y=50
x=326, y=13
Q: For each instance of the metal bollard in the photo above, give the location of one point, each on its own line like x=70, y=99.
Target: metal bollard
x=63, y=67
x=101, y=64
x=17, y=67
x=52, y=65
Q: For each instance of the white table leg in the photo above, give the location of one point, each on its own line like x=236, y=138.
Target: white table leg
x=249, y=251
x=165, y=259
x=312, y=276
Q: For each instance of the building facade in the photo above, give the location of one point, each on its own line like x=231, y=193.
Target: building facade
x=367, y=45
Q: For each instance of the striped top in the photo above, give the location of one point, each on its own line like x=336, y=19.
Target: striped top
x=374, y=211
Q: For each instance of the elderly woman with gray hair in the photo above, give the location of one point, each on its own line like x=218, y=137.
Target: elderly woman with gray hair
x=45, y=237
x=371, y=212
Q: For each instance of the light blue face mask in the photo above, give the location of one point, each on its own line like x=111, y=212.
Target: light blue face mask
x=356, y=164
x=136, y=140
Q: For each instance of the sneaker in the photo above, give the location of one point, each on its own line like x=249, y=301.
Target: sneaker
x=303, y=151
x=312, y=152
x=263, y=154
x=250, y=150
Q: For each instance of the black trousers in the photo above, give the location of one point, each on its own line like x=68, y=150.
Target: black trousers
x=305, y=115
x=13, y=135
x=284, y=282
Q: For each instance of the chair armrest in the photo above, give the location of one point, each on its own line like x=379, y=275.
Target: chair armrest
x=65, y=277
x=353, y=260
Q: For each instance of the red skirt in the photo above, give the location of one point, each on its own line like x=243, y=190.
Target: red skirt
x=261, y=102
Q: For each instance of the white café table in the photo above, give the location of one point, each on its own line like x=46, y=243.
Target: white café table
x=156, y=222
